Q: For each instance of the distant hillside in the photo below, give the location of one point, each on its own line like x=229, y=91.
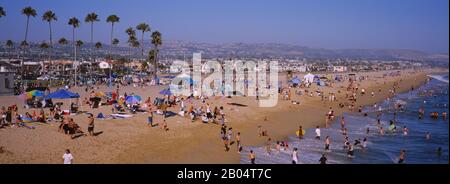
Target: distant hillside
x=286, y=50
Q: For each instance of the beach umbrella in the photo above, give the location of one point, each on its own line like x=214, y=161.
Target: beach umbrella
x=165, y=92
x=296, y=80
x=132, y=100
x=34, y=93
x=138, y=97
x=100, y=94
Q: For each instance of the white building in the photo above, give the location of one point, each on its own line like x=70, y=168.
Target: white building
x=339, y=68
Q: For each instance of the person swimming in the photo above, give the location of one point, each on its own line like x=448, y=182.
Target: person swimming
x=405, y=131
x=402, y=156
x=357, y=142
x=364, y=143
x=350, y=152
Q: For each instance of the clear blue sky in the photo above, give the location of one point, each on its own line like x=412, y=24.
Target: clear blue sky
x=406, y=24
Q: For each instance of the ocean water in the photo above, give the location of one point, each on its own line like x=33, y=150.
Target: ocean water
x=381, y=149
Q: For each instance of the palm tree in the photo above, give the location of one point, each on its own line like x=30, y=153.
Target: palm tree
x=131, y=38
x=79, y=43
x=152, y=55
x=49, y=16
x=115, y=41
x=91, y=18
x=28, y=11
x=10, y=45
x=62, y=41
x=74, y=22
x=144, y=28
x=156, y=41
x=2, y=12
x=112, y=19
x=44, y=46
x=98, y=45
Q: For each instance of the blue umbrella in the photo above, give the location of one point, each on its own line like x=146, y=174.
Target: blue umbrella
x=165, y=92
x=132, y=100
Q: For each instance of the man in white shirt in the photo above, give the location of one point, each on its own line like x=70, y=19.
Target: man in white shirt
x=318, y=133
x=67, y=157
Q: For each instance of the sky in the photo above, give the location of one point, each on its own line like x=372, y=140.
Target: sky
x=334, y=24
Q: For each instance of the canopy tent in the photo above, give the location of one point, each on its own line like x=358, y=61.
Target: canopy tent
x=62, y=94
x=296, y=80
x=309, y=78
x=165, y=92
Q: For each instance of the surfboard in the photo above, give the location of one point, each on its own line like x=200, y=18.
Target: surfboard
x=122, y=115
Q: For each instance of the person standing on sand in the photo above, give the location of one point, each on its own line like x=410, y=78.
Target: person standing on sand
x=252, y=157
x=150, y=117
x=225, y=142
x=67, y=157
x=91, y=125
x=238, y=142
x=230, y=134
x=294, y=156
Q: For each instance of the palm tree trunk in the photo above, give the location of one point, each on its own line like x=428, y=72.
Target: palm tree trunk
x=51, y=51
x=155, y=61
x=92, y=42
x=142, y=43
x=26, y=30
x=75, y=55
x=110, y=46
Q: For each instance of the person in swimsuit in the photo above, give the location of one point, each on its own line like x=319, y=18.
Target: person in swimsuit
x=402, y=156
x=327, y=143
x=91, y=125
x=252, y=157
x=323, y=159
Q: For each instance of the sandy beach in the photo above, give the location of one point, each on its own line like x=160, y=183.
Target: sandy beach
x=130, y=140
